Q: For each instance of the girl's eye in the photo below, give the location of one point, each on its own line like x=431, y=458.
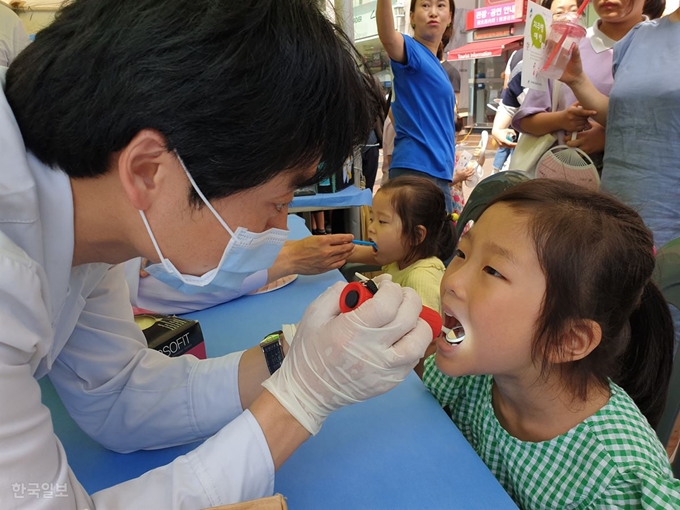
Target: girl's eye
x=459, y=254
x=382, y=222
x=490, y=270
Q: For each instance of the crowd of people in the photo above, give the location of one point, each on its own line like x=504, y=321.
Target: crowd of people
x=562, y=365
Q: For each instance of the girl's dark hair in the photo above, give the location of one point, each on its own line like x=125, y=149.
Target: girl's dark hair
x=377, y=98
x=418, y=201
x=448, y=32
x=654, y=8
x=241, y=90
x=598, y=257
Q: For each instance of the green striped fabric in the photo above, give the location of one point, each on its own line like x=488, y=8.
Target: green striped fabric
x=611, y=460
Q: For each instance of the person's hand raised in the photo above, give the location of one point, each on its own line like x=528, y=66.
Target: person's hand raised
x=574, y=70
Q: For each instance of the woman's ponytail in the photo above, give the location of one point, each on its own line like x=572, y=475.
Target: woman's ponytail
x=446, y=38
x=645, y=366
x=448, y=32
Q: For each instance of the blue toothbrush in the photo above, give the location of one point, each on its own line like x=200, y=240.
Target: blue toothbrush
x=366, y=243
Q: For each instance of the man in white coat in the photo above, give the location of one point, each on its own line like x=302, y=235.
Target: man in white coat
x=13, y=36
x=126, y=123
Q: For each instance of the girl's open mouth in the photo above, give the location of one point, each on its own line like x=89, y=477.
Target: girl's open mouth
x=375, y=245
x=453, y=330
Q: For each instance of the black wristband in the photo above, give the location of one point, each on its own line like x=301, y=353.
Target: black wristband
x=272, y=350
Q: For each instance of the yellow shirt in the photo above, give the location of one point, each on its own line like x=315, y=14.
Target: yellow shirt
x=424, y=276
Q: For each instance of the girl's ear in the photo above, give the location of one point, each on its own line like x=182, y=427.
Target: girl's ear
x=422, y=233
x=579, y=340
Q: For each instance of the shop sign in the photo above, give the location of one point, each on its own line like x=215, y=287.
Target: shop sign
x=472, y=55
x=502, y=14
x=491, y=33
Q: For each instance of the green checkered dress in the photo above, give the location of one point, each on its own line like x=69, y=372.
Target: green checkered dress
x=611, y=460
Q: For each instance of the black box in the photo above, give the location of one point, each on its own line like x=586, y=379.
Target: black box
x=171, y=335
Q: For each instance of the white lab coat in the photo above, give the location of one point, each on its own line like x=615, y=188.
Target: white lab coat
x=75, y=325
x=13, y=36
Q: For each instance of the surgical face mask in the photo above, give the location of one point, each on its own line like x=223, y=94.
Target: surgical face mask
x=245, y=254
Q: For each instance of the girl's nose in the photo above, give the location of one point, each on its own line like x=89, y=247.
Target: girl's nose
x=455, y=279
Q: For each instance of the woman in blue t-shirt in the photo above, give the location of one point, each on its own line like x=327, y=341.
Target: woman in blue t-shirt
x=424, y=100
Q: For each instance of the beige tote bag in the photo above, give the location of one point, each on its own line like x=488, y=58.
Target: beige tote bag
x=530, y=148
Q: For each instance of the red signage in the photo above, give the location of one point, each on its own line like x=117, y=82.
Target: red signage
x=501, y=14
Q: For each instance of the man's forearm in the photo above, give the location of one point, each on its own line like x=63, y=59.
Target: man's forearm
x=284, y=433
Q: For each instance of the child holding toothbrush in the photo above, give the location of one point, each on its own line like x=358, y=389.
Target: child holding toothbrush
x=412, y=233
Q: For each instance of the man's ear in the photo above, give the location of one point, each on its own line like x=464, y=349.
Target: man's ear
x=142, y=166
x=579, y=340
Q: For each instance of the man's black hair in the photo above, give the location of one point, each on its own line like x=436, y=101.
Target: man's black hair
x=241, y=90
